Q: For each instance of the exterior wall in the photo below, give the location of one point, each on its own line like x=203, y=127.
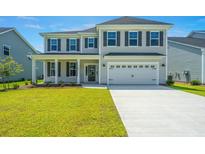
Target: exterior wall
x=204, y=67
x=19, y=51
x=183, y=58
x=63, y=76
x=64, y=44
x=122, y=49
x=198, y=35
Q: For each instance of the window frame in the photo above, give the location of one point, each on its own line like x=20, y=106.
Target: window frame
x=7, y=46
x=154, y=38
x=52, y=44
x=52, y=69
x=91, y=42
x=71, y=69
x=112, y=39
x=133, y=39
x=70, y=44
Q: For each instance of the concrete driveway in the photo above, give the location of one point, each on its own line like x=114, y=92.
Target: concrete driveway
x=159, y=111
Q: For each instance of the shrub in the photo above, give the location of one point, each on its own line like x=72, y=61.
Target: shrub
x=61, y=83
x=26, y=82
x=15, y=86
x=195, y=82
x=48, y=83
x=170, y=82
x=170, y=78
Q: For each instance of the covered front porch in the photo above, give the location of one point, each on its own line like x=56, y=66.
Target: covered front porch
x=67, y=68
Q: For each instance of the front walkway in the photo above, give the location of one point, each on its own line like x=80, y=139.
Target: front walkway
x=159, y=111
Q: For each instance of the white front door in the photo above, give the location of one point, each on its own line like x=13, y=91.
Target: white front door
x=133, y=73
x=90, y=73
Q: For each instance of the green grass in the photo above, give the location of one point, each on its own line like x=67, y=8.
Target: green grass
x=199, y=90
x=59, y=112
x=20, y=83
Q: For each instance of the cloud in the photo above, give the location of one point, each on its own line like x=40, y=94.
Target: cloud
x=84, y=26
x=178, y=32
x=27, y=18
x=89, y=25
x=33, y=26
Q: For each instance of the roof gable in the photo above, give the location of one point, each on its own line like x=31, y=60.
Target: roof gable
x=132, y=21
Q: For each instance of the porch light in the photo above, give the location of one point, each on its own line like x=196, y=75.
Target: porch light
x=103, y=65
x=163, y=65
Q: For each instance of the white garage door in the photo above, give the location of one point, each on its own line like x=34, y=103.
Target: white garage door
x=133, y=73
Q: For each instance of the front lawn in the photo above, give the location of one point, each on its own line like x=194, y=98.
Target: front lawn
x=59, y=112
x=199, y=90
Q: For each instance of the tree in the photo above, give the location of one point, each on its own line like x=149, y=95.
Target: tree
x=9, y=67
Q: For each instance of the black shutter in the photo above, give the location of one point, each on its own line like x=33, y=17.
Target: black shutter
x=161, y=38
x=59, y=68
x=148, y=38
x=48, y=44
x=67, y=44
x=118, y=38
x=96, y=42
x=59, y=44
x=67, y=68
x=78, y=44
x=126, y=38
x=48, y=69
x=86, y=42
x=104, y=39
x=140, y=38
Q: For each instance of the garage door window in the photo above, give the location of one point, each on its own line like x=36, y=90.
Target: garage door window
x=129, y=66
x=118, y=66
x=146, y=66
x=141, y=66
x=135, y=66
x=123, y=66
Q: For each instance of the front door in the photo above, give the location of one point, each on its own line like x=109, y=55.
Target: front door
x=91, y=73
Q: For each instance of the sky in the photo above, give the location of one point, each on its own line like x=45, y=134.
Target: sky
x=30, y=27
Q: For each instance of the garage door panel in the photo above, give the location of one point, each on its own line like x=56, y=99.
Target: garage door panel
x=134, y=74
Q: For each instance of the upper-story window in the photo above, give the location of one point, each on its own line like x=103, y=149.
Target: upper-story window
x=133, y=38
x=91, y=42
x=111, y=38
x=54, y=44
x=6, y=50
x=154, y=38
x=73, y=45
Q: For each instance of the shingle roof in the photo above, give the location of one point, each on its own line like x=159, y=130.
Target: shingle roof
x=134, y=54
x=132, y=20
x=189, y=40
x=90, y=30
x=3, y=29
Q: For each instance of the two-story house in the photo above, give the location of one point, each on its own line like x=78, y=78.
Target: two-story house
x=126, y=50
x=13, y=44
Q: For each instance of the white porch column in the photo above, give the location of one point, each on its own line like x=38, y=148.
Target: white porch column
x=99, y=71
x=33, y=71
x=44, y=71
x=81, y=44
x=56, y=71
x=78, y=71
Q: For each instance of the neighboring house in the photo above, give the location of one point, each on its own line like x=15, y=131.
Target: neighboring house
x=186, y=60
x=126, y=50
x=13, y=44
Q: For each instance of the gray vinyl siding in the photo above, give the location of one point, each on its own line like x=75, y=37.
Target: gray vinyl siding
x=64, y=44
x=183, y=58
x=19, y=51
x=123, y=49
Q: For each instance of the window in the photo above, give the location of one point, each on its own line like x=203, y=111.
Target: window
x=90, y=42
x=72, y=45
x=123, y=66
x=154, y=38
x=133, y=38
x=72, y=69
x=6, y=50
x=135, y=66
x=141, y=66
x=52, y=69
x=118, y=66
x=129, y=66
x=53, y=44
x=112, y=66
x=111, y=38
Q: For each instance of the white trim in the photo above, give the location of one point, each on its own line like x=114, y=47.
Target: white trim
x=113, y=39
x=99, y=42
x=56, y=71
x=166, y=39
x=93, y=42
x=202, y=67
x=44, y=71
x=120, y=63
x=86, y=77
x=33, y=71
x=136, y=39
x=8, y=46
x=81, y=44
x=99, y=70
x=75, y=45
x=6, y=31
x=78, y=71
x=155, y=38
